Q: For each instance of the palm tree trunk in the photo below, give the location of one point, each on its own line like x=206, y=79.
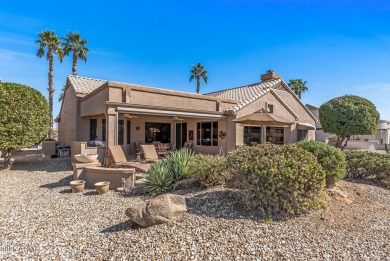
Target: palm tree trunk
x=51, y=90
x=74, y=62
x=197, y=85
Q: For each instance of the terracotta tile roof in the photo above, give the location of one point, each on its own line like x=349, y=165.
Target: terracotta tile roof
x=84, y=85
x=248, y=93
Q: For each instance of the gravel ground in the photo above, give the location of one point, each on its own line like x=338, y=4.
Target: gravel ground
x=41, y=219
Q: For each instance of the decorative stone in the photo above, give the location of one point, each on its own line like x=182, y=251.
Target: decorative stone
x=186, y=184
x=162, y=209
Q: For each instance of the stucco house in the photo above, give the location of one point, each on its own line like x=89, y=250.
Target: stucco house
x=124, y=114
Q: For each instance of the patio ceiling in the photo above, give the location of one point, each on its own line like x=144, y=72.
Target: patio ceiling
x=171, y=113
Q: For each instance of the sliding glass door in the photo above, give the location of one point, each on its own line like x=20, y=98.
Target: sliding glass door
x=181, y=134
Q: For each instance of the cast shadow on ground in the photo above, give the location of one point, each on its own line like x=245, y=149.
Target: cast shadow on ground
x=366, y=182
x=219, y=204
x=64, y=182
x=126, y=225
x=42, y=164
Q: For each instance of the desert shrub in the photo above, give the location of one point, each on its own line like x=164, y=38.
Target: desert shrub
x=209, y=170
x=277, y=180
x=331, y=159
x=178, y=162
x=369, y=165
x=159, y=178
x=163, y=174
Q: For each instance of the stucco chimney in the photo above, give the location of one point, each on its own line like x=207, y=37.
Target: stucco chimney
x=270, y=75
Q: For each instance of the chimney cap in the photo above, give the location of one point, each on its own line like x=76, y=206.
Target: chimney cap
x=270, y=75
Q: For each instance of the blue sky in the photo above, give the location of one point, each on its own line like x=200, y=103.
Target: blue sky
x=338, y=47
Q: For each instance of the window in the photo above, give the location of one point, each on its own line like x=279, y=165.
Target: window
x=121, y=132
x=302, y=135
x=128, y=131
x=252, y=135
x=274, y=135
x=155, y=131
x=92, y=129
x=207, y=133
x=103, y=129
x=270, y=108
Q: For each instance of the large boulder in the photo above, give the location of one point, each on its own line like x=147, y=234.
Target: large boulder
x=162, y=209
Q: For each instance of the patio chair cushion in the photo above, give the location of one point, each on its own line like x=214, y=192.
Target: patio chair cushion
x=149, y=152
x=117, y=155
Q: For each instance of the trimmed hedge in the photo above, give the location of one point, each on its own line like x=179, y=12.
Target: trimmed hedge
x=331, y=159
x=209, y=170
x=277, y=180
x=369, y=165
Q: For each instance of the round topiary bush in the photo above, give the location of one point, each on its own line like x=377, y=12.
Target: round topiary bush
x=277, y=180
x=348, y=115
x=331, y=159
x=24, y=117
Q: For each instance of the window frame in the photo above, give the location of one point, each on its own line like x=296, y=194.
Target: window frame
x=214, y=139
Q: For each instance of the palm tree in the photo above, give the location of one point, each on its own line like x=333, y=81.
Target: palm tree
x=198, y=72
x=61, y=97
x=73, y=44
x=298, y=86
x=48, y=41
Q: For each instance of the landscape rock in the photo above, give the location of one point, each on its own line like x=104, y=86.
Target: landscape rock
x=186, y=184
x=162, y=209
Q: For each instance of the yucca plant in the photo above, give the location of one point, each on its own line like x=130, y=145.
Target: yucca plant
x=159, y=178
x=178, y=162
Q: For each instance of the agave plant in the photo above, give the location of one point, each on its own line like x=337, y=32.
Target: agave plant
x=159, y=178
x=178, y=163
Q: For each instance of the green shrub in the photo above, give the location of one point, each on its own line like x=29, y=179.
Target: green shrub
x=348, y=115
x=209, y=170
x=369, y=165
x=24, y=118
x=277, y=180
x=331, y=159
x=178, y=162
x=159, y=178
x=163, y=174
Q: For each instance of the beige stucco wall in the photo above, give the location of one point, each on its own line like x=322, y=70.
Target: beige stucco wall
x=164, y=100
x=95, y=104
x=67, y=125
x=116, y=94
x=295, y=106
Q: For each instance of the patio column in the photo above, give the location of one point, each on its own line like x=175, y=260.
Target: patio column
x=112, y=127
x=263, y=134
